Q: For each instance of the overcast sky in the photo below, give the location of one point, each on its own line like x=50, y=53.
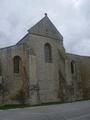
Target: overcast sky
x=71, y=17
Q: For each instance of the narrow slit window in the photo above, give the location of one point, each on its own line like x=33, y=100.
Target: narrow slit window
x=16, y=64
x=72, y=67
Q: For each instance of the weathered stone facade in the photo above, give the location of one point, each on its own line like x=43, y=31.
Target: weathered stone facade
x=65, y=78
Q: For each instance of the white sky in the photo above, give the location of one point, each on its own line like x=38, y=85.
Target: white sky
x=71, y=17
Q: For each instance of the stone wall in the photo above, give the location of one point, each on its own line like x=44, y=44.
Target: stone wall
x=74, y=78
x=80, y=80
x=39, y=81
x=47, y=73
x=85, y=76
x=43, y=79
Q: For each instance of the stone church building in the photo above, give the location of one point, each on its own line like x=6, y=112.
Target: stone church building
x=38, y=70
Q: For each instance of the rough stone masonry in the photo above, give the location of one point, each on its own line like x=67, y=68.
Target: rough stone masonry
x=38, y=70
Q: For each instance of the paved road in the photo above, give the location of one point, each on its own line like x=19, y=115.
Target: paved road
x=70, y=111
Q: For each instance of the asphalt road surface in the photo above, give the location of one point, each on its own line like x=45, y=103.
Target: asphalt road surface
x=69, y=111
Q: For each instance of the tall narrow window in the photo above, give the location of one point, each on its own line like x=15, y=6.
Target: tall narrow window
x=72, y=67
x=16, y=64
x=48, y=53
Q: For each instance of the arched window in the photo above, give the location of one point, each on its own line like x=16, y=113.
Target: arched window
x=16, y=64
x=48, y=53
x=72, y=67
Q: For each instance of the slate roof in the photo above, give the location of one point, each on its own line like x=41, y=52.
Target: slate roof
x=45, y=28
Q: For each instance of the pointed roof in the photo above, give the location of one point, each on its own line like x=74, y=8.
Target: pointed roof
x=45, y=28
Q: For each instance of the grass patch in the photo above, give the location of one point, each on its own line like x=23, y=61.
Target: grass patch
x=14, y=106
